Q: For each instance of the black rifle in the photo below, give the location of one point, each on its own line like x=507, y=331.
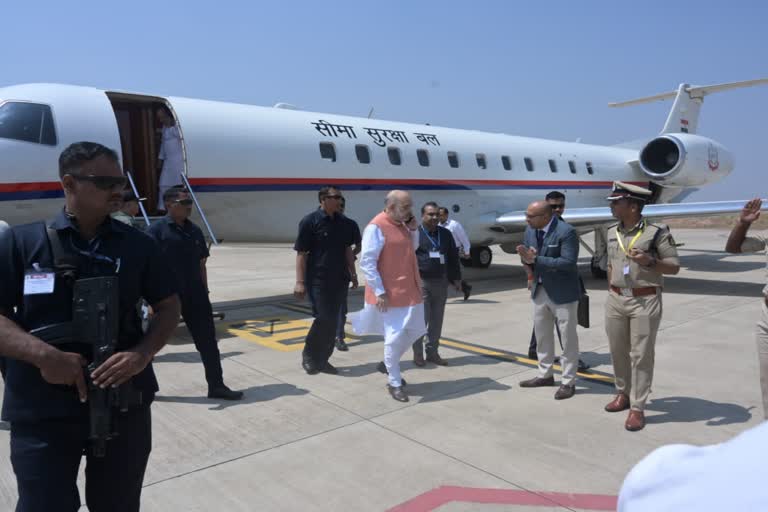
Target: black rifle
x=95, y=322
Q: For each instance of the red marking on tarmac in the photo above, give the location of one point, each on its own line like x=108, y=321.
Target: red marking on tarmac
x=449, y=494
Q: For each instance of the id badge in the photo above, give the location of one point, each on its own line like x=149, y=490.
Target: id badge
x=626, y=269
x=435, y=254
x=442, y=259
x=39, y=283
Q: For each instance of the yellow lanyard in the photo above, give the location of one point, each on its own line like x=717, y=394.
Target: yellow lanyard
x=619, y=237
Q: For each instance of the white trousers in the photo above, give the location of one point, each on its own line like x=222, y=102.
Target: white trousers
x=545, y=314
x=397, y=343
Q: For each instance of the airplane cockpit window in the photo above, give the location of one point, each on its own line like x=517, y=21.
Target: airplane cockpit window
x=453, y=159
x=363, y=154
x=327, y=151
x=394, y=156
x=590, y=170
x=552, y=165
x=481, y=163
x=528, y=164
x=572, y=166
x=423, y=156
x=28, y=122
x=506, y=162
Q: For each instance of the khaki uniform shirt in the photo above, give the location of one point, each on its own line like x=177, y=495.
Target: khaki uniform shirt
x=756, y=243
x=639, y=277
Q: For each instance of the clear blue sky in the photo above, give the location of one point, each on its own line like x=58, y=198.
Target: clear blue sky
x=543, y=69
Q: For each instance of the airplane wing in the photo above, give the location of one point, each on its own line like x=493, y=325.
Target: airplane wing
x=588, y=217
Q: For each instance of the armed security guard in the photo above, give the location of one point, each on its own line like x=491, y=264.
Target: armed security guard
x=47, y=391
x=182, y=243
x=639, y=253
x=439, y=265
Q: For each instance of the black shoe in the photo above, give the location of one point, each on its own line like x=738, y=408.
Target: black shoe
x=341, y=345
x=309, y=367
x=434, y=357
x=583, y=366
x=467, y=289
x=565, y=391
x=383, y=369
x=329, y=369
x=397, y=393
x=224, y=393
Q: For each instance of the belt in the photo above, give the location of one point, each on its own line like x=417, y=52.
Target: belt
x=634, y=292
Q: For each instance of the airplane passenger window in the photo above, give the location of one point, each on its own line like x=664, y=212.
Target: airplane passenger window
x=572, y=166
x=553, y=166
x=327, y=151
x=589, y=168
x=453, y=159
x=528, y=164
x=394, y=156
x=481, y=160
x=423, y=156
x=506, y=162
x=363, y=154
x=28, y=122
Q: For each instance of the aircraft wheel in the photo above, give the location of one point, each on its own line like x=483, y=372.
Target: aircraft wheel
x=597, y=272
x=481, y=256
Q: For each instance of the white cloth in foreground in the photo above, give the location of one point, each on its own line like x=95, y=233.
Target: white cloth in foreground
x=716, y=478
x=399, y=326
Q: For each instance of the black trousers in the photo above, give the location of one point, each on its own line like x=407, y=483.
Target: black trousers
x=197, y=312
x=326, y=302
x=46, y=456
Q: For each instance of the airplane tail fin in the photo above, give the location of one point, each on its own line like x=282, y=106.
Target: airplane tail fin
x=684, y=115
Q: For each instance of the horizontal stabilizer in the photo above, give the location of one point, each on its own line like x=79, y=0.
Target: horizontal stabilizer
x=581, y=217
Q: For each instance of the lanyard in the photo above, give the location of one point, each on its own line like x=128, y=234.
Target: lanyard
x=435, y=245
x=619, y=237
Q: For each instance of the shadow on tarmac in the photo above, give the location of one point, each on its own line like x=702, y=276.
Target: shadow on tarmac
x=684, y=409
x=253, y=394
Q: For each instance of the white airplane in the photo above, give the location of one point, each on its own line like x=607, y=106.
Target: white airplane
x=255, y=170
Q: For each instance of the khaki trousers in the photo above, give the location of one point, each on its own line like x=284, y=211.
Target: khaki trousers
x=631, y=324
x=545, y=314
x=761, y=335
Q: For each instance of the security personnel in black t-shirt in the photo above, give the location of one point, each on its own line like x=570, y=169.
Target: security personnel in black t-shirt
x=324, y=266
x=439, y=265
x=45, y=391
x=183, y=245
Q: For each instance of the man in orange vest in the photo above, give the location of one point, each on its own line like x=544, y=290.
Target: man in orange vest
x=393, y=304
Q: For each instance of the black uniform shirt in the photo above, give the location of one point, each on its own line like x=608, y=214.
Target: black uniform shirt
x=118, y=249
x=326, y=238
x=441, y=241
x=183, y=247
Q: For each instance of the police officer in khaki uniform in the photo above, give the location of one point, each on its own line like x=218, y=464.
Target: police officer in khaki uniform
x=738, y=242
x=639, y=253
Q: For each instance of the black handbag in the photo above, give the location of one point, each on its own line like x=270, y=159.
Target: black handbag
x=582, y=313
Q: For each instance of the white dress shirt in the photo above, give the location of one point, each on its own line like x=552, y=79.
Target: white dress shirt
x=459, y=235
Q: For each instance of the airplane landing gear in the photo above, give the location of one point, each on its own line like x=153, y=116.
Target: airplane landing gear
x=481, y=256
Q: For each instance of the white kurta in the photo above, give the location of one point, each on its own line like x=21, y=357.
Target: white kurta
x=401, y=326
x=370, y=320
x=172, y=155
x=459, y=235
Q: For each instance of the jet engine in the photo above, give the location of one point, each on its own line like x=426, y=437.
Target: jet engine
x=685, y=160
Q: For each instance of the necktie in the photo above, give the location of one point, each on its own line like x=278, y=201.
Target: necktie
x=539, y=239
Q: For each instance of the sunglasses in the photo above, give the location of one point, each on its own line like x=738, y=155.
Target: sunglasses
x=558, y=206
x=337, y=196
x=102, y=182
x=185, y=202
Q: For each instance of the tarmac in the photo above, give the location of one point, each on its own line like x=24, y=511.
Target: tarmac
x=470, y=439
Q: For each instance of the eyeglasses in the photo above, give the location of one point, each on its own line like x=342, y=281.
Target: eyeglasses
x=185, y=202
x=335, y=196
x=527, y=216
x=102, y=182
